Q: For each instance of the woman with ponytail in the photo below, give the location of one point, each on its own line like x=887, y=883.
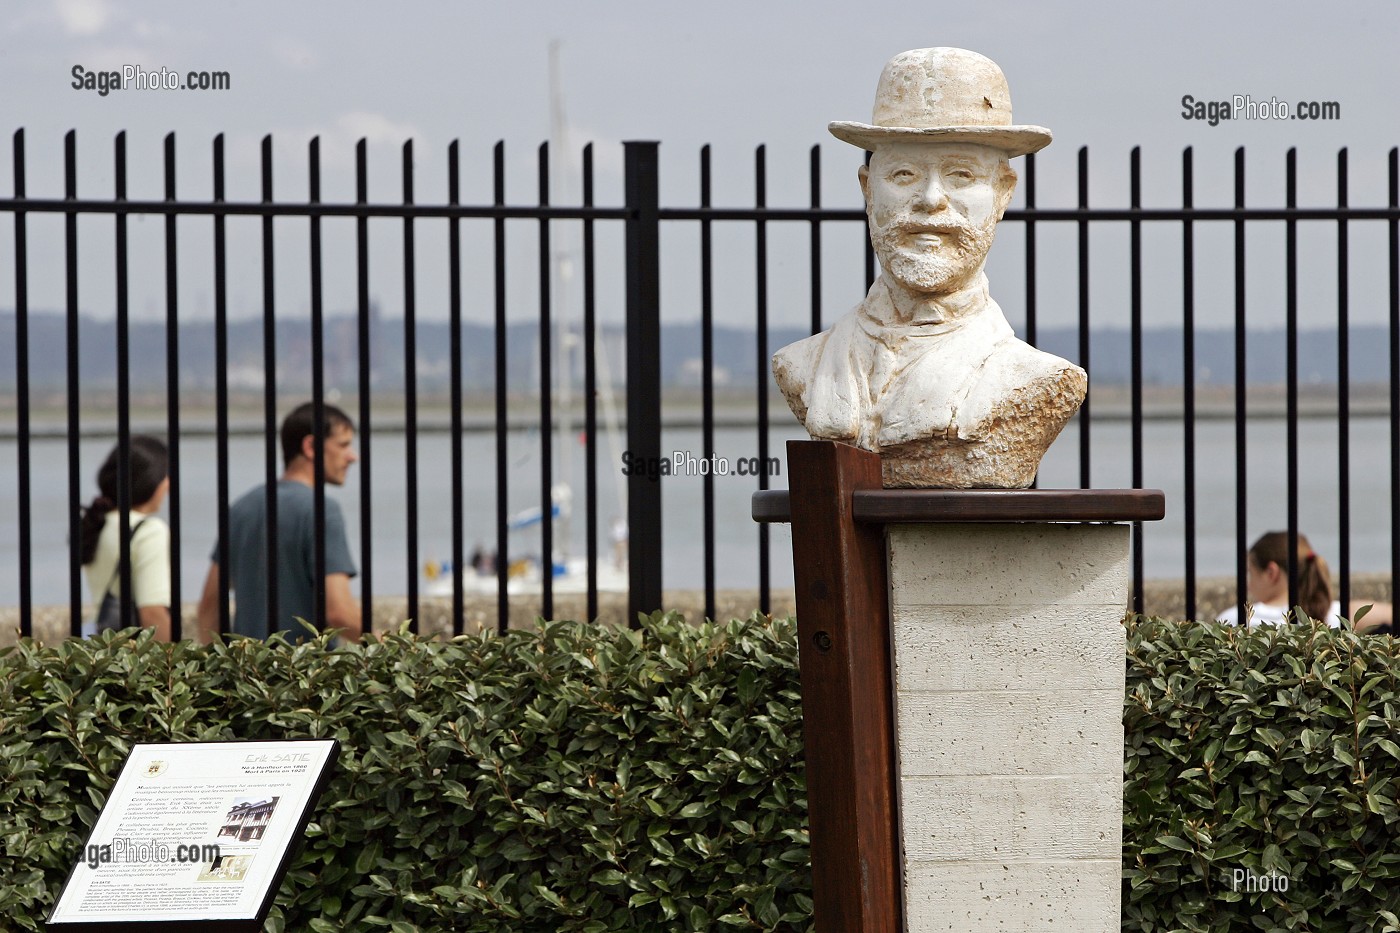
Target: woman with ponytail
x=1267, y=568
x=99, y=539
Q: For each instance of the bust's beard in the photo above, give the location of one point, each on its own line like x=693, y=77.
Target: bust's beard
x=948, y=268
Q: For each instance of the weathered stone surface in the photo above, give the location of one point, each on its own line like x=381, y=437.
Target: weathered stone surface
x=960, y=819
x=1008, y=452
x=957, y=648
x=1045, y=733
x=1008, y=654
x=926, y=371
x=997, y=565
x=1014, y=897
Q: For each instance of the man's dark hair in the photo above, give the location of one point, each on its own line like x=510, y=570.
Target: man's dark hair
x=302, y=423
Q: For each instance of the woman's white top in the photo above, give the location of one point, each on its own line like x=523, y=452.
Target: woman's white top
x=1266, y=614
x=150, y=560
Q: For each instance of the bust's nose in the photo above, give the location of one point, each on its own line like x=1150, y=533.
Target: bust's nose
x=929, y=196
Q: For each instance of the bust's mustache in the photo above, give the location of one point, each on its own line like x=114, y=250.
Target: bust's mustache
x=916, y=226
x=955, y=236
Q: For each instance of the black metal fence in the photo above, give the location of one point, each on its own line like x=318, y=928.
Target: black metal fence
x=642, y=217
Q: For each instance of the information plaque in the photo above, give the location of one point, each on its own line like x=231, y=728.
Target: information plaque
x=195, y=836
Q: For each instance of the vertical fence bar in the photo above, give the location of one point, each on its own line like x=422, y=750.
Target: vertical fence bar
x=815, y=170
x=546, y=401
x=1241, y=461
x=124, y=503
x=707, y=377
x=1393, y=231
x=1031, y=262
x=590, y=386
x=498, y=174
x=454, y=326
x=869, y=249
x=70, y=232
x=1083, y=238
x=410, y=390
x=643, y=374
x=221, y=383
x=1188, y=377
x=172, y=390
x=1030, y=250
x=1291, y=367
x=318, y=393
x=1135, y=352
x=761, y=324
x=274, y=619
x=1343, y=393
x=26, y=559
x=366, y=336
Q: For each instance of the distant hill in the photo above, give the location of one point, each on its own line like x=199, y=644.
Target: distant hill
x=735, y=353
x=1110, y=358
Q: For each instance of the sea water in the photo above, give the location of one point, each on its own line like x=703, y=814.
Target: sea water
x=736, y=536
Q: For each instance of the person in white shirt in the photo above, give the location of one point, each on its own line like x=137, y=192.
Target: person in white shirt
x=99, y=539
x=1267, y=581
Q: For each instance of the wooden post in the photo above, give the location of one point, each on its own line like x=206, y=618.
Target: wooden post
x=844, y=654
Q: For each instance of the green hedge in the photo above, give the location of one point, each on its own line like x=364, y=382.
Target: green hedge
x=568, y=779
x=1267, y=751
x=576, y=778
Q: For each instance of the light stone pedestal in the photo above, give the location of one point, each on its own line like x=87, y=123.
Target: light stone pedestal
x=962, y=662
x=1008, y=657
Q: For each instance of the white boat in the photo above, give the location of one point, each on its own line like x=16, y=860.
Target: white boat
x=524, y=575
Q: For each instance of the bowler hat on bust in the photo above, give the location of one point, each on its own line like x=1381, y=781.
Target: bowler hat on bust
x=943, y=95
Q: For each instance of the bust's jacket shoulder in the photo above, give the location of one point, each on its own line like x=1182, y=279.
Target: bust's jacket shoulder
x=793, y=368
x=1017, y=368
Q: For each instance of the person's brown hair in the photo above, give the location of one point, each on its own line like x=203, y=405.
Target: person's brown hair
x=146, y=472
x=301, y=423
x=1314, y=579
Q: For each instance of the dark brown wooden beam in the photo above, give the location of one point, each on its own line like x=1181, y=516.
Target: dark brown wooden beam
x=847, y=720
x=893, y=506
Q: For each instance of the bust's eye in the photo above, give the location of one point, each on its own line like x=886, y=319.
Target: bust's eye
x=903, y=175
x=962, y=176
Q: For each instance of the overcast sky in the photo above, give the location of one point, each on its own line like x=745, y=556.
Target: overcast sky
x=734, y=74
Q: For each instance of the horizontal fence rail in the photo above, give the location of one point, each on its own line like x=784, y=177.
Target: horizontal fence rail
x=644, y=225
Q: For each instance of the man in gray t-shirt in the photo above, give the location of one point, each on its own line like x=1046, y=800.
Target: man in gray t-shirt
x=296, y=540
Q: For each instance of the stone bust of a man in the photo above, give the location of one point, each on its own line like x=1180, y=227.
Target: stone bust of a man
x=926, y=370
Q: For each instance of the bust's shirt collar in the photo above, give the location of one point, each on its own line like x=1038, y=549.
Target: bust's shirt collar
x=941, y=315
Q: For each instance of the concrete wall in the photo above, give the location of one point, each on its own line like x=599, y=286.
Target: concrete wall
x=1008, y=652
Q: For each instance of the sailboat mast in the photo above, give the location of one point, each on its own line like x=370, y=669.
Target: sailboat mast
x=560, y=161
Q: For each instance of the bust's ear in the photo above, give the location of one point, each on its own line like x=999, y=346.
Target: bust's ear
x=1006, y=187
x=864, y=175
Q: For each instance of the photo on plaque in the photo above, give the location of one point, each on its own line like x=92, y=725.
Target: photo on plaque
x=246, y=821
x=226, y=868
